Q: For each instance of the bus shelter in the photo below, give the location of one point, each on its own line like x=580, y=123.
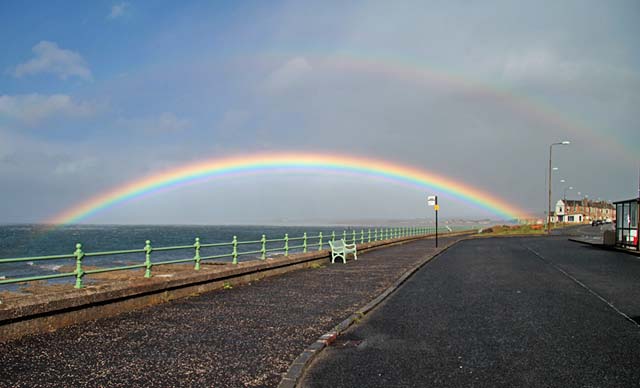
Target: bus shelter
x=627, y=223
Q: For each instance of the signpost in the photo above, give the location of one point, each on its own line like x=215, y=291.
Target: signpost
x=432, y=200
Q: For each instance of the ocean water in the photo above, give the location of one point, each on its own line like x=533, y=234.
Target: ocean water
x=34, y=240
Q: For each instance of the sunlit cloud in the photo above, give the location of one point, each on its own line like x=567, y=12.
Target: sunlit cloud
x=118, y=10
x=49, y=58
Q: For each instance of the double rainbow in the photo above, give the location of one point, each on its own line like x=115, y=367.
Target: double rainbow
x=229, y=166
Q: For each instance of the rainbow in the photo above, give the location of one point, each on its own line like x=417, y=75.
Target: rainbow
x=415, y=72
x=229, y=166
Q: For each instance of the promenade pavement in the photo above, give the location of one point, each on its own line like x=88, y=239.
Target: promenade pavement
x=245, y=336
x=507, y=312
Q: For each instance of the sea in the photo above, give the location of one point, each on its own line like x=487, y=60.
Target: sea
x=32, y=240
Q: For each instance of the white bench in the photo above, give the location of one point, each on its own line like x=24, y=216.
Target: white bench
x=341, y=249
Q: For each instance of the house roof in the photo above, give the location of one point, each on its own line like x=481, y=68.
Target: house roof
x=593, y=204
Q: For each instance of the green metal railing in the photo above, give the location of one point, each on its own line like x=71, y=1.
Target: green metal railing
x=256, y=248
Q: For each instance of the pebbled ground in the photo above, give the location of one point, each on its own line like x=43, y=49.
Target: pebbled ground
x=246, y=336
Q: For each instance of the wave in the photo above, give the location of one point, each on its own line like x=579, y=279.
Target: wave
x=51, y=267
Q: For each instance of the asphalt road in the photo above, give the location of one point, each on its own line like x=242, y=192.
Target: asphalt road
x=587, y=232
x=509, y=312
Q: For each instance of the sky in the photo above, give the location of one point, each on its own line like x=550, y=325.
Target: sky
x=95, y=95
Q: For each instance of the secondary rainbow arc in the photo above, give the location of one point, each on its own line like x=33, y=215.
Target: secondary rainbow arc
x=416, y=71
x=277, y=161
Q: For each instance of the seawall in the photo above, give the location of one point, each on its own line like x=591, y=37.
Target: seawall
x=48, y=311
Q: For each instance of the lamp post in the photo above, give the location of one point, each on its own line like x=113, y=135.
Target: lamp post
x=565, y=142
x=564, y=197
x=588, y=207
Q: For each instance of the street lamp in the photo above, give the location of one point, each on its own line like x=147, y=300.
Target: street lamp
x=565, y=142
x=564, y=197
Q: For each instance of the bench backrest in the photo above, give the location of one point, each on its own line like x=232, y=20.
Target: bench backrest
x=338, y=244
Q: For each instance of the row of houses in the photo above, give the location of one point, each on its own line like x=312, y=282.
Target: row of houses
x=625, y=215
x=583, y=211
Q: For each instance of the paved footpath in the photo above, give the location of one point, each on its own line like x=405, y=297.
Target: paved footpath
x=509, y=312
x=246, y=336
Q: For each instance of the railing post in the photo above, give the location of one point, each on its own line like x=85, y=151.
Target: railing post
x=147, y=258
x=197, y=256
x=79, y=272
x=234, y=253
x=369, y=233
x=361, y=236
x=263, y=249
x=320, y=242
x=286, y=244
x=375, y=234
x=353, y=234
x=344, y=236
x=304, y=242
x=333, y=235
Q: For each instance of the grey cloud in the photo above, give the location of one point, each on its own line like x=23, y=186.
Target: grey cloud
x=288, y=75
x=34, y=108
x=165, y=122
